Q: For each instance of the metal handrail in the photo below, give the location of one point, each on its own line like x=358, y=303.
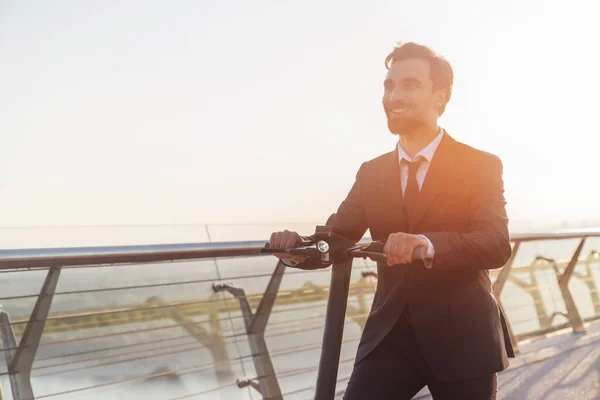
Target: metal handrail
x=558, y=235
x=54, y=259
x=72, y=256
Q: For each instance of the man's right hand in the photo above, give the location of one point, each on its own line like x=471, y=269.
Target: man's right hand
x=286, y=240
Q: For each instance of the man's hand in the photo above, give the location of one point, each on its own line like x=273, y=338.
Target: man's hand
x=286, y=240
x=400, y=246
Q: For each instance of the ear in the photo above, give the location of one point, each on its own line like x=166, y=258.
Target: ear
x=441, y=97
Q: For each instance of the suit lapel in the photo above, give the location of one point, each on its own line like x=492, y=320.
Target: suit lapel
x=442, y=164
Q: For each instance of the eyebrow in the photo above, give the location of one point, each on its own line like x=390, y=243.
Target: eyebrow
x=411, y=80
x=404, y=80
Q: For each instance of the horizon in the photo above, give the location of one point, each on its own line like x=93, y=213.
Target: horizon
x=153, y=234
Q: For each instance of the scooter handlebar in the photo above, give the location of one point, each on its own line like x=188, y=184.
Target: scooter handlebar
x=373, y=250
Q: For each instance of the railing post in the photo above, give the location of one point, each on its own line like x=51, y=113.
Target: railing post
x=263, y=311
x=10, y=344
x=591, y=282
x=341, y=273
x=563, y=283
x=255, y=324
x=497, y=290
x=20, y=367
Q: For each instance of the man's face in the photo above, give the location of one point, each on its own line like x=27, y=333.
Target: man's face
x=409, y=100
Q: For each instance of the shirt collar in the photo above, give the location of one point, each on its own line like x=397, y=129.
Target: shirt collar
x=427, y=152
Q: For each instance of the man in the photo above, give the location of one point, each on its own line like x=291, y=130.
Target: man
x=433, y=322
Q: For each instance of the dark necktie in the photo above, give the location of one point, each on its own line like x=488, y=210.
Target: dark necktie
x=411, y=193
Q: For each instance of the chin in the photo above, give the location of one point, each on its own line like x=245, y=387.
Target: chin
x=403, y=127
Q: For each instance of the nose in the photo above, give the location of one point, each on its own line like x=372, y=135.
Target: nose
x=395, y=96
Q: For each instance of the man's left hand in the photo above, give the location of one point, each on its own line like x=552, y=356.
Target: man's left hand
x=400, y=246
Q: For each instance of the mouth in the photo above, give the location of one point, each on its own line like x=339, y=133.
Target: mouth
x=399, y=112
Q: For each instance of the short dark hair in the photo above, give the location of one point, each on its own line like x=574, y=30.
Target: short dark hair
x=442, y=74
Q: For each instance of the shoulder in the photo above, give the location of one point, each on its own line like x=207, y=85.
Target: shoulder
x=377, y=165
x=476, y=157
x=383, y=159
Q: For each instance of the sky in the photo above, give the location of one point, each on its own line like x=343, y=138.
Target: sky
x=226, y=112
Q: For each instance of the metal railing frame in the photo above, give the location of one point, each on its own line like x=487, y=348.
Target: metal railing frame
x=20, y=358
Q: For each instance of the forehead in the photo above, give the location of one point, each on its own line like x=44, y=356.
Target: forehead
x=413, y=68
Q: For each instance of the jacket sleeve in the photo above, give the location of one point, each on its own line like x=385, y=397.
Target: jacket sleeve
x=487, y=243
x=349, y=220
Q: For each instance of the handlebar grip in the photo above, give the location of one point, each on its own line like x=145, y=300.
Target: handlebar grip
x=268, y=249
x=377, y=247
x=294, y=251
x=303, y=243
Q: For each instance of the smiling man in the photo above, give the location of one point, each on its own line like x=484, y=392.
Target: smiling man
x=433, y=322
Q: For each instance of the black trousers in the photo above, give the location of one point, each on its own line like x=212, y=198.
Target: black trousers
x=397, y=370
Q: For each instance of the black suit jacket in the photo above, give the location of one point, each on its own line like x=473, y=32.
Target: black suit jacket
x=461, y=209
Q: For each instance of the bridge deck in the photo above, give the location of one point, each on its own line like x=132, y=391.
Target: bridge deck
x=558, y=367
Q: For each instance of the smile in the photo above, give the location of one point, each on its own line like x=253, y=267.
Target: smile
x=398, y=111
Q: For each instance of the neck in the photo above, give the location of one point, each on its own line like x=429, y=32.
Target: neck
x=416, y=141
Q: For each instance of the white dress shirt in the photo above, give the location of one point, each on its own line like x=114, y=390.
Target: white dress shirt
x=426, y=155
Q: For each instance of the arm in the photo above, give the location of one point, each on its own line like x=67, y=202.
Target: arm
x=349, y=221
x=487, y=244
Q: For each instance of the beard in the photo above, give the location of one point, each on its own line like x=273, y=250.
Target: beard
x=404, y=125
